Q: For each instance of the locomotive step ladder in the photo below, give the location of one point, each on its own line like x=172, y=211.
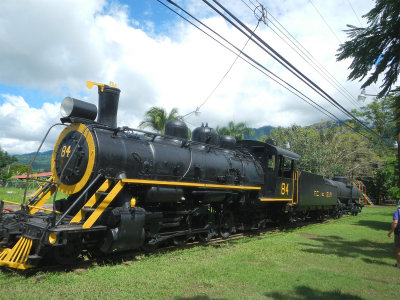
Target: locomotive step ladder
x=105, y=194
x=41, y=196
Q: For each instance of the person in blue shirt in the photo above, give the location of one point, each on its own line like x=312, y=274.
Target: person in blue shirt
x=396, y=229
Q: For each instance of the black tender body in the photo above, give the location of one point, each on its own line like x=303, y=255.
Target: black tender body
x=132, y=189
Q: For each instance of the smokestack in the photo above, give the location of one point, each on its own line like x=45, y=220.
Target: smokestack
x=108, y=105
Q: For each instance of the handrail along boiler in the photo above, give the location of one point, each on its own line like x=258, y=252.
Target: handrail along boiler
x=131, y=189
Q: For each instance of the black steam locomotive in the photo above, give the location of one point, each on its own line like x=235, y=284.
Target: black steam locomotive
x=131, y=189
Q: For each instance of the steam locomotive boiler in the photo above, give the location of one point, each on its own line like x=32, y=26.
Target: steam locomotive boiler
x=131, y=189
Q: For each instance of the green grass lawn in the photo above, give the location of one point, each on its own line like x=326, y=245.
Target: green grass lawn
x=17, y=194
x=349, y=258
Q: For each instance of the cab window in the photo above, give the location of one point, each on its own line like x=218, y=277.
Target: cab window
x=286, y=166
x=271, y=162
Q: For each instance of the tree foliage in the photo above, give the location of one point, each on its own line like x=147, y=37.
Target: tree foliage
x=5, y=161
x=157, y=117
x=383, y=184
x=375, y=48
x=379, y=115
x=237, y=130
x=304, y=141
x=20, y=169
x=329, y=151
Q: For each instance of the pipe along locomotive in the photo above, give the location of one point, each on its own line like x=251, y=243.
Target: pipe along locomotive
x=131, y=189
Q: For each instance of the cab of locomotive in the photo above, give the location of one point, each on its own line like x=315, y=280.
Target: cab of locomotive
x=280, y=167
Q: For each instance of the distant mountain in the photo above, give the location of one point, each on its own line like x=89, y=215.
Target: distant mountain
x=265, y=130
x=41, y=163
x=33, y=153
x=326, y=124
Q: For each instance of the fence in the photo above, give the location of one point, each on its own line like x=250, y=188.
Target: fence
x=16, y=183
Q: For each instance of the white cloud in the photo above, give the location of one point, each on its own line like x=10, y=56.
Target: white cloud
x=53, y=45
x=23, y=127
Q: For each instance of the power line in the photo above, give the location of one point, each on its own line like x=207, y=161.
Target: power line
x=315, y=67
x=253, y=62
x=323, y=19
x=359, y=21
x=307, y=56
x=229, y=69
x=258, y=66
x=285, y=63
x=315, y=105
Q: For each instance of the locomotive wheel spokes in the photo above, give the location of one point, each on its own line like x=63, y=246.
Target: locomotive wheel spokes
x=226, y=225
x=182, y=239
x=207, y=222
x=207, y=235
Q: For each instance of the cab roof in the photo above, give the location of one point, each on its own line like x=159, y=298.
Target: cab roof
x=256, y=146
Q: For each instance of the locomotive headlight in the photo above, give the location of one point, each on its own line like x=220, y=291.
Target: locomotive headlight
x=74, y=108
x=66, y=107
x=52, y=238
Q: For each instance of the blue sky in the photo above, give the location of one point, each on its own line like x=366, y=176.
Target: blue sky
x=148, y=10
x=48, y=49
x=34, y=97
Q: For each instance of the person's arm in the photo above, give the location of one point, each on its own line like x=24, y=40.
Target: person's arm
x=393, y=227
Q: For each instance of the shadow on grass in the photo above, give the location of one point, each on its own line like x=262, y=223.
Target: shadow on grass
x=335, y=245
x=378, y=225
x=304, y=292
x=377, y=262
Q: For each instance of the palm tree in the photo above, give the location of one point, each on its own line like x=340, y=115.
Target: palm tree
x=157, y=117
x=236, y=130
